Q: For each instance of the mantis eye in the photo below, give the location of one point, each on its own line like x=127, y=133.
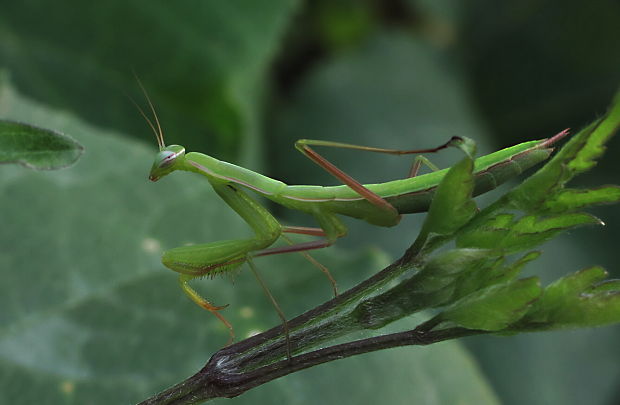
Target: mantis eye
x=167, y=160
x=168, y=156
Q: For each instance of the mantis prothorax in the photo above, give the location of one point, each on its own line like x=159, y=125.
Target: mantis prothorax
x=378, y=204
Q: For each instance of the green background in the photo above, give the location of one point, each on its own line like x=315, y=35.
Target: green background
x=88, y=315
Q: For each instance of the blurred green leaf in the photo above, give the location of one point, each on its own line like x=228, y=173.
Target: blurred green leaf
x=343, y=24
x=36, y=148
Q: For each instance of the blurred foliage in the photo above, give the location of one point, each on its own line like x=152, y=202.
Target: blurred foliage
x=36, y=148
x=90, y=316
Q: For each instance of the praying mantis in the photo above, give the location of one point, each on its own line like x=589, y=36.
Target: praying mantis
x=378, y=204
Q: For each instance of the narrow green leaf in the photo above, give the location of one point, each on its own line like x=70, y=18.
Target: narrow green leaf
x=503, y=232
x=577, y=156
x=36, y=148
x=581, y=299
x=572, y=284
x=574, y=199
x=494, y=273
x=511, y=271
x=584, y=158
x=435, y=284
x=452, y=206
x=607, y=285
x=495, y=307
x=454, y=261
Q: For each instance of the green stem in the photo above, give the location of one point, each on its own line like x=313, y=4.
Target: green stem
x=215, y=380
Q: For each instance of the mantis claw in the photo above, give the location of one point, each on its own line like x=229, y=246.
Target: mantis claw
x=213, y=308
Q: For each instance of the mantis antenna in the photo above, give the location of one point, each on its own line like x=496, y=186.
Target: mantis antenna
x=159, y=135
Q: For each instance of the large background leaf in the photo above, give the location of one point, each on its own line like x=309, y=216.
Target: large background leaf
x=91, y=316
x=82, y=287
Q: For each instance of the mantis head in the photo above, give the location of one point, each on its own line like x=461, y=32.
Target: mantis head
x=167, y=160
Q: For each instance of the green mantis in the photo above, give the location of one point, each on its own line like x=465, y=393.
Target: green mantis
x=378, y=204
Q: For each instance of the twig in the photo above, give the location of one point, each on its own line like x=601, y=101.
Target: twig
x=217, y=380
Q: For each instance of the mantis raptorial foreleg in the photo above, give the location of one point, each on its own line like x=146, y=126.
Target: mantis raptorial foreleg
x=191, y=293
x=217, y=257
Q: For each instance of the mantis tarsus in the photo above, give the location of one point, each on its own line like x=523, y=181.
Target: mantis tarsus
x=378, y=204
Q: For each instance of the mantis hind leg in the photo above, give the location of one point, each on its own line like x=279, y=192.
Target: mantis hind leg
x=275, y=305
x=317, y=264
x=388, y=215
x=331, y=229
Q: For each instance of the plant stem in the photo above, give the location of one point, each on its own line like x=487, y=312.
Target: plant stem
x=216, y=380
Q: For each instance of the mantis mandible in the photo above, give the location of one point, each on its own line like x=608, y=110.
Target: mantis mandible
x=378, y=204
